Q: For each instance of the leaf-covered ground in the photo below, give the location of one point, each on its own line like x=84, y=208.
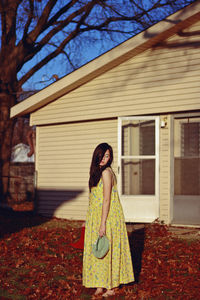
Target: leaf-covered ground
x=37, y=261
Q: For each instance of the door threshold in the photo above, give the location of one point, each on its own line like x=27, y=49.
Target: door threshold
x=185, y=225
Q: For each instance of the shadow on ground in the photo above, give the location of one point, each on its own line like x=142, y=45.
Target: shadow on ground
x=136, y=240
x=13, y=221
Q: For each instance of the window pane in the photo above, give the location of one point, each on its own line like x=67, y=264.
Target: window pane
x=190, y=141
x=187, y=156
x=138, y=137
x=187, y=176
x=138, y=177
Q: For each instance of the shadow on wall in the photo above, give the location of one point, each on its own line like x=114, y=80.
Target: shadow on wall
x=15, y=220
x=49, y=201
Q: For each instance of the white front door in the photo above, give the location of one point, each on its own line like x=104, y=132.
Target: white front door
x=138, y=167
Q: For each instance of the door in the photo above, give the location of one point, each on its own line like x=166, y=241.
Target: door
x=138, y=167
x=186, y=202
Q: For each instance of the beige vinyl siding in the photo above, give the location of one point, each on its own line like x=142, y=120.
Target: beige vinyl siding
x=64, y=154
x=165, y=172
x=162, y=79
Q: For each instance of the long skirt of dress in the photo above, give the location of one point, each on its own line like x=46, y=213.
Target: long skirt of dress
x=116, y=267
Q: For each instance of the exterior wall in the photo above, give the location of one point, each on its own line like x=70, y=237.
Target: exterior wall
x=162, y=79
x=64, y=154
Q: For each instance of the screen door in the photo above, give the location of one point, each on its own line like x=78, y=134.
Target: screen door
x=186, y=202
x=138, y=167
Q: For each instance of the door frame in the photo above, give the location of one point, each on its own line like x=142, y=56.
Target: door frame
x=152, y=199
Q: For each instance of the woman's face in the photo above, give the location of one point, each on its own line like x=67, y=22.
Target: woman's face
x=105, y=159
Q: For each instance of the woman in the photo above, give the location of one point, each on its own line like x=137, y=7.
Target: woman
x=105, y=217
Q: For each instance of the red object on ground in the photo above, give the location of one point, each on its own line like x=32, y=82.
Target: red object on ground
x=80, y=243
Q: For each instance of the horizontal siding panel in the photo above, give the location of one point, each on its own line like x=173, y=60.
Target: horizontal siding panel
x=145, y=62
x=176, y=102
x=79, y=205
x=46, y=149
x=175, y=81
x=190, y=100
x=81, y=174
x=62, y=159
x=132, y=77
x=64, y=215
x=71, y=206
x=75, y=128
x=61, y=151
x=133, y=105
x=130, y=98
x=73, y=138
x=62, y=181
x=68, y=209
x=151, y=59
x=51, y=201
x=59, y=182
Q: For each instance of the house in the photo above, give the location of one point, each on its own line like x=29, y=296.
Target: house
x=143, y=98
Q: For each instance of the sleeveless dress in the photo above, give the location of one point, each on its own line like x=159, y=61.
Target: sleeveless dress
x=116, y=267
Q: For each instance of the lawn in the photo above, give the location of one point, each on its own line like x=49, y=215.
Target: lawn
x=38, y=262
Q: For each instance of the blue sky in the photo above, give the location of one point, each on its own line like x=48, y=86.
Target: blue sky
x=87, y=47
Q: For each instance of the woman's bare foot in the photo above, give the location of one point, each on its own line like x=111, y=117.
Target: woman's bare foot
x=109, y=293
x=98, y=291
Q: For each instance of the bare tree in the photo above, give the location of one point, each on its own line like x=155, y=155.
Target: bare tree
x=50, y=28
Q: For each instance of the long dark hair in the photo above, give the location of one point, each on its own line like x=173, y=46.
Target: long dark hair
x=95, y=169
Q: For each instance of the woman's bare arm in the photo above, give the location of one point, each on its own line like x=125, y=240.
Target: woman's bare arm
x=107, y=188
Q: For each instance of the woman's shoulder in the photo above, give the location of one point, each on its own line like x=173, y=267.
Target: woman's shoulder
x=108, y=172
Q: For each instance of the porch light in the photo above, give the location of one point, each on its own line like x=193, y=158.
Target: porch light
x=163, y=122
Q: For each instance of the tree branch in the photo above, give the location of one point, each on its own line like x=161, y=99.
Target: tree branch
x=82, y=25
x=63, y=10
x=43, y=19
x=30, y=17
x=87, y=8
x=48, y=58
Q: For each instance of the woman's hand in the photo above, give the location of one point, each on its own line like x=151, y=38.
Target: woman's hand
x=102, y=230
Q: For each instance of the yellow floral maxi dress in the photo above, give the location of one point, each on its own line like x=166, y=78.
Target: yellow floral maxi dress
x=116, y=267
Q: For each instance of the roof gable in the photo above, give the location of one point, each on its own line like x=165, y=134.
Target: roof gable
x=130, y=48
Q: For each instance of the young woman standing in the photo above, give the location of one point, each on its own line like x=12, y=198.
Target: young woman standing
x=105, y=217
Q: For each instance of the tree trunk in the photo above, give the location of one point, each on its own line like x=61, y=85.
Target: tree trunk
x=7, y=100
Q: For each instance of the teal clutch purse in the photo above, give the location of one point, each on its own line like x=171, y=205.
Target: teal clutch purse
x=100, y=247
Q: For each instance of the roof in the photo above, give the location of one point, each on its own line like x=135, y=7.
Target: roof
x=130, y=48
